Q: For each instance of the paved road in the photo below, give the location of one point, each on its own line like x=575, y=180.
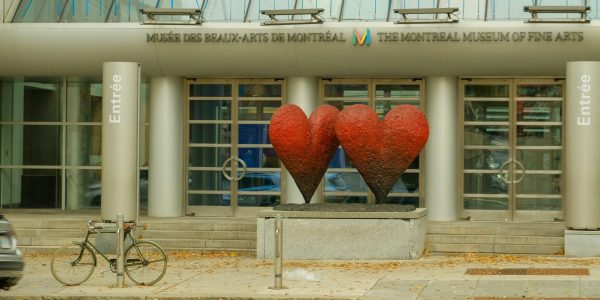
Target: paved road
x=222, y=277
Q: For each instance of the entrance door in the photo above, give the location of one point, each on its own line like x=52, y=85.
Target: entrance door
x=342, y=183
x=512, y=149
x=232, y=168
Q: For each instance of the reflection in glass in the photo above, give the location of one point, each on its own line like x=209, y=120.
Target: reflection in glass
x=210, y=110
x=84, y=101
x=539, y=111
x=260, y=90
x=207, y=181
x=209, y=200
x=397, y=90
x=254, y=134
x=340, y=160
x=257, y=110
x=488, y=135
x=210, y=90
x=539, y=203
x=540, y=90
x=540, y=159
x=344, y=199
x=414, y=201
x=347, y=90
x=539, y=135
x=484, y=183
x=542, y=184
x=485, y=159
x=40, y=189
x=486, y=203
x=37, y=144
x=495, y=91
x=382, y=107
x=84, y=144
x=208, y=156
x=345, y=181
x=258, y=200
x=260, y=182
x=407, y=183
x=259, y=157
x=210, y=133
x=340, y=105
x=486, y=111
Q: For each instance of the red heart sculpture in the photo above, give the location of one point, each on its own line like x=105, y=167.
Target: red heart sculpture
x=305, y=146
x=382, y=150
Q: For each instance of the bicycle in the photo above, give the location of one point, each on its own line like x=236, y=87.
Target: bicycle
x=145, y=262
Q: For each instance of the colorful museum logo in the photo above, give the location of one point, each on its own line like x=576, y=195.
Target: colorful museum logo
x=361, y=39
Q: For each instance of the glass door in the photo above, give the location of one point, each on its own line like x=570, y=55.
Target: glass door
x=342, y=182
x=538, y=149
x=232, y=168
x=512, y=149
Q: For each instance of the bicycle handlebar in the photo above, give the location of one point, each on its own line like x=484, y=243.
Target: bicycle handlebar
x=127, y=226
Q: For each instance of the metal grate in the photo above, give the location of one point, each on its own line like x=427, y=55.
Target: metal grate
x=528, y=271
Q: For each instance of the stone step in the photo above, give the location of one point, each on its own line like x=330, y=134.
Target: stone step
x=203, y=235
x=165, y=243
x=49, y=233
x=555, y=229
x=49, y=250
x=202, y=226
x=493, y=239
x=217, y=244
x=489, y=248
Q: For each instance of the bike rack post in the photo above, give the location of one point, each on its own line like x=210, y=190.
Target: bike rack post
x=120, y=254
x=277, y=256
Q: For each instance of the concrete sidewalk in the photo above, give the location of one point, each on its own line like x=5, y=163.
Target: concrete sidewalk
x=223, y=277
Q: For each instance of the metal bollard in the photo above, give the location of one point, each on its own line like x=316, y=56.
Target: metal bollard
x=277, y=257
x=120, y=254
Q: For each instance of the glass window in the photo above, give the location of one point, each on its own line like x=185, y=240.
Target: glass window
x=366, y=10
x=210, y=133
x=493, y=111
x=259, y=157
x=207, y=180
x=259, y=110
x=346, y=90
x=488, y=135
x=84, y=145
x=210, y=110
x=491, y=91
x=210, y=90
x=38, y=188
x=208, y=156
x=260, y=90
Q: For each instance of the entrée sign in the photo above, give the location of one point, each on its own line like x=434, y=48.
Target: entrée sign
x=382, y=37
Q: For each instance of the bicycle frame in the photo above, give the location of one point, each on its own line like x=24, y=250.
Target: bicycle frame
x=87, y=243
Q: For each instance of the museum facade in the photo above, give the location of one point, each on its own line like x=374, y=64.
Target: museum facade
x=490, y=77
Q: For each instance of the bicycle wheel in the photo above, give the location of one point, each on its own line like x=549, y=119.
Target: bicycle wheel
x=145, y=263
x=73, y=264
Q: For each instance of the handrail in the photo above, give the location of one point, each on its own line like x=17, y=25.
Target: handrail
x=449, y=11
x=195, y=15
x=273, y=13
x=536, y=9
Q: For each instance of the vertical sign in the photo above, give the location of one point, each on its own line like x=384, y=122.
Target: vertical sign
x=120, y=170
x=582, y=145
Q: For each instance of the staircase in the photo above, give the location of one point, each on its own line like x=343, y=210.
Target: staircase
x=45, y=231
x=42, y=233
x=544, y=238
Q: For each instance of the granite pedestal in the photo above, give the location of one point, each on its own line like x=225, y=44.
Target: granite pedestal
x=344, y=235
x=582, y=243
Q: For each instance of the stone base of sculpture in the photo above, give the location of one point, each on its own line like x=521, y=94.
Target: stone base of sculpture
x=334, y=235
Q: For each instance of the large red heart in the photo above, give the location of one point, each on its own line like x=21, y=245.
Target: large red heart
x=382, y=150
x=305, y=146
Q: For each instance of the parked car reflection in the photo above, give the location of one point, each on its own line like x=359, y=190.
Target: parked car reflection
x=11, y=260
